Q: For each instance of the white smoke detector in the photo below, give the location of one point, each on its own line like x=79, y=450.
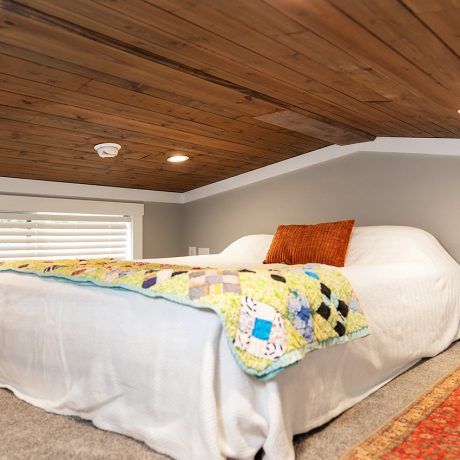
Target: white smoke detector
x=107, y=150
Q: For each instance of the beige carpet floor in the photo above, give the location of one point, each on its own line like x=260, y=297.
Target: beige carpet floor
x=29, y=433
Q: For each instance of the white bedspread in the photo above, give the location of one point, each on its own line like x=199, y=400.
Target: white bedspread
x=134, y=365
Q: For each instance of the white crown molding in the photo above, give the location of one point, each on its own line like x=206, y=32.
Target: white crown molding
x=21, y=203
x=29, y=187
x=430, y=146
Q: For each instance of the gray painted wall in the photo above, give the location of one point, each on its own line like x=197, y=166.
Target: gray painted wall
x=162, y=230
x=374, y=188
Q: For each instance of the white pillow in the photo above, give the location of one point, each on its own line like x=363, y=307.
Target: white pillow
x=393, y=244
x=249, y=248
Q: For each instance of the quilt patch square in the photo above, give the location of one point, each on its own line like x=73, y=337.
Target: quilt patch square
x=301, y=316
x=262, y=329
x=197, y=292
x=242, y=340
x=213, y=282
x=257, y=347
x=215, y=288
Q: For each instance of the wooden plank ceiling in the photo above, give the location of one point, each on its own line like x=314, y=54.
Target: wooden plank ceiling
x=235, y=84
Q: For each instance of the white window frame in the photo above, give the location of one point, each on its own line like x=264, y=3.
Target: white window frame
x=28, y=204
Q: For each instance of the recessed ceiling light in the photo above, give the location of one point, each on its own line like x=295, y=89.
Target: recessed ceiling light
x=458, y=111
x=178, y=158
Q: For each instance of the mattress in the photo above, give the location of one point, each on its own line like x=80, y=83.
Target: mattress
x=134, y=365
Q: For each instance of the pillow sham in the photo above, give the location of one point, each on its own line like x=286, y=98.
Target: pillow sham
x=324, y=243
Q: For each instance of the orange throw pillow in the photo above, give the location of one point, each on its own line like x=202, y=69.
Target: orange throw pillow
x=325, y=243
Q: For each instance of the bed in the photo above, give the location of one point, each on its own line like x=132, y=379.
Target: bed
x=163, y=373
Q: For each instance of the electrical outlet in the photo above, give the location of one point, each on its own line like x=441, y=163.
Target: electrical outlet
x=203, y=251
x=192, y=250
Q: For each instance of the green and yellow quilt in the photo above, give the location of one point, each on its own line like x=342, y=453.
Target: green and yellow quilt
x=271, y=318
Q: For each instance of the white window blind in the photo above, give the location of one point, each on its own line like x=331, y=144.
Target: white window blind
x=64, y=236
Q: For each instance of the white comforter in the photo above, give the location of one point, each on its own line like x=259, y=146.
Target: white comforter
x=162, y=372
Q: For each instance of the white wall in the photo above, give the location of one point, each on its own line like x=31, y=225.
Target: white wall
x=375, y=188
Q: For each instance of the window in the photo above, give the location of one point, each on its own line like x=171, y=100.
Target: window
x=57, y=228
x=64, y=236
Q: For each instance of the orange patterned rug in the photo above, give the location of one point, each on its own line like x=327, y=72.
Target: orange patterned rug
x=428, y=429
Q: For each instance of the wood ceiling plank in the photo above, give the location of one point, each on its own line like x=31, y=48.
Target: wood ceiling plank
x=306, y=147
x=47, y=75
x=35, y=163
x=399, y=96
x=299, y=123
x=39, y=72
x=257, y=15
x=121, y=164
x=154, y=158
x=57, y=136
x=403, y=32
x=157, y=160
x=12, y=129
x=60, y=175
x=333, y=25
x=395, y=117
x=432, y=123
x=41, y=37
x=84, y=14
x=35, y=67
x=306, y=59
x=358, y=120
x=297, y=140
x=122, y=168
x=102, y=133
x=441, y=16
x=143, y=88
x=282, y=70
x=12, y=85
x=140, y=100
x=225, y=19
x=135, y=122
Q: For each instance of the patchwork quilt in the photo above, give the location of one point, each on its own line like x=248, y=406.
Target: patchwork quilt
x=271, y=318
